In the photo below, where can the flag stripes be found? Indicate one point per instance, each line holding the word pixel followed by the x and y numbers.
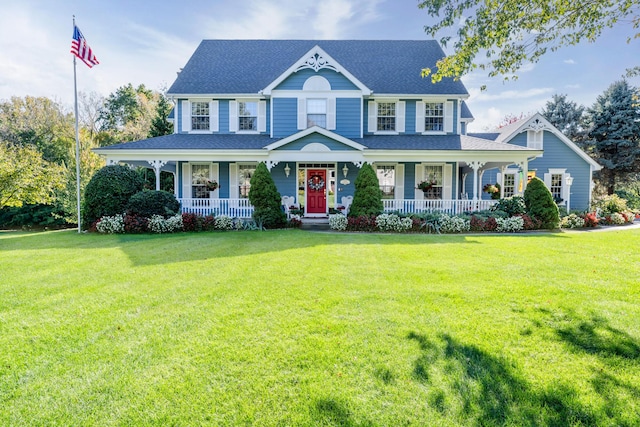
pixel 81 49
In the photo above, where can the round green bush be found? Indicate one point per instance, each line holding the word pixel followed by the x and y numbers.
pixel 511 205
pixel 266 199
pixel 109 191
pixel 147 203
pixel 367 198
pixel 540 204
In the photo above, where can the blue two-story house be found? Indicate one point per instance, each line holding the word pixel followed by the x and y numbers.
pixel 316 111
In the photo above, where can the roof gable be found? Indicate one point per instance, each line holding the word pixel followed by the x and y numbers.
pixel 348 143
pixel 250 66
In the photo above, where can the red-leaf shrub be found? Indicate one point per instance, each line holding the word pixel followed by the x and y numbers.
pixel 208 223
pixel 530 223
pixel 490 224
pixel 476 223
pixel 590 219
pixel 135 224
pixel 191 222
pixel 362 223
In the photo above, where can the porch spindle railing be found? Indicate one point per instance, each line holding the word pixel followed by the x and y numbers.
pixel 235 208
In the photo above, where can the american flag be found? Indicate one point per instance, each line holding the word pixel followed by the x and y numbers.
pixel 81 49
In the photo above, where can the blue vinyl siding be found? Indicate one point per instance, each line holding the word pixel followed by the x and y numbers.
pixel 296 80
pixel 287 186
pixel 410 117
pixel 285 117
pixel 223 116
pixel 455 115
pixel 348 117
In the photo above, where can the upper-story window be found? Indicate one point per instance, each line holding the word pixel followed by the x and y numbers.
pixel 317 112
pixel 200 119
pixel 434 117
pixel 534 139
pixel 386 116
pixel 247 116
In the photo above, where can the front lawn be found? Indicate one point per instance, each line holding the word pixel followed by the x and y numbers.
pixel 296 328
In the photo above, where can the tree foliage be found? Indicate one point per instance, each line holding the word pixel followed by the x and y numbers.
pixel 160 124
pixel 109 191
pixel 615 134
pixel 25 177
pixel 367 198
pixel 266 199
pixel 567 116
pixel 127 113
pixel 147 203
pixel 510 33
pixel 540 204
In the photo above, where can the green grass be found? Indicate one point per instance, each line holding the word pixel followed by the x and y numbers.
pixel 295 328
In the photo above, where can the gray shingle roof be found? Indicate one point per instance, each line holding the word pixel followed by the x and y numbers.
pixel 248 66
pixel 257 142
pixel 465 112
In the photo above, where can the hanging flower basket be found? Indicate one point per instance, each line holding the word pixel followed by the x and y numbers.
pixel 212 185
pixel 493 190
pixel 425 186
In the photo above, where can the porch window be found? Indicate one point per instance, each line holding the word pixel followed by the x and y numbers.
pixel 200 119
pixel 200 174
pixel 434 117
pixel 509 184
pixel 387 180
pixel 247 116
pixel 386 116
pixel 556 187
pixel 434 175
pixel 245 172
pixel 317 112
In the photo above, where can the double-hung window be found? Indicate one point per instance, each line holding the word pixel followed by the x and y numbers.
pixel 317 112
pixel 200 118
pixel 200 175
pixel 387 180
pixel 245 172
pixel 556 187
pixel 386 116
pixel 247 116
pixel 434 117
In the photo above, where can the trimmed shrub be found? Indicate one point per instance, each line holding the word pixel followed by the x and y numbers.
pixel 209 223
pixel 361 223
pixel 392 222
pixel 223 222
pixel 454 224
pixel 266 199
pixel 109 191
pixel 511 206
pixel 192 222
pixel 509 225
pixel 529 223
pixel 367 198
pixel 591 220
pixel 571 221
pixel 540 204
pixel 148 203
pixel 611 204
pixel 338 222
pixel 135 224
pixel 111 224
pixel 159 224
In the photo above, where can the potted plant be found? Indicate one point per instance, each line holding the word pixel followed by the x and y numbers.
pixel 493 190
pixel 426 185
pixel 212 185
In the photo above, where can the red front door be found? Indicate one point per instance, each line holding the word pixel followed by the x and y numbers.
pixel 316 191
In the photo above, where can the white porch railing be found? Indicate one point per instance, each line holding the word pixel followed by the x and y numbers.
pixel 451 207
pixel 235 208
pixel 241 208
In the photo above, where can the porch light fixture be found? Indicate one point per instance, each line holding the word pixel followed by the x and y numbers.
pixel 345 170
pixel 569 180
pixel 287 170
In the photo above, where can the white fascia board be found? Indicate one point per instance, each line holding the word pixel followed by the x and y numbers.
pixel 446 156
pixel 216 96
pixel 419 96
pixel 316 156
pixel 321 131
pixel 551 128
pixel 328 59
pixel 184 155
pixel 313 94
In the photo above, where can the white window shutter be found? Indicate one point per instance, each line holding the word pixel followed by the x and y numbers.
pixel 214 125
pixel 233 181
pixel 186 181
pixel 399 190
pixel 419 194
pixel 186 116
pixel 262 116
pixel 447 182
pixel 400 116
pixel 233 116
pixel 373 117
pixel 547 180
pixel 302 113
pixel 448 116
pixel 331 113
pixel 419 117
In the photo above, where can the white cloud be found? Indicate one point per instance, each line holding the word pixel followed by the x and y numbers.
pixel 508 95
pixel 569 61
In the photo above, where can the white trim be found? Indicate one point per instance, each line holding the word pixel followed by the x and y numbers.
pixel 308 61
pixel 315 129
pixel 316 84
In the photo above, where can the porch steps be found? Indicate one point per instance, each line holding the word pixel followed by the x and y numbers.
pixel 315 224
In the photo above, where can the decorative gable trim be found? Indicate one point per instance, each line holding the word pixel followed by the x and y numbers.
pixel 318 130
pixel 316 59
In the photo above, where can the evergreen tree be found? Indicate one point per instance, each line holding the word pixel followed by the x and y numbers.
pixel 567 116
pixel 266 199
pixel 160 125
pixel 367 199
pixel 540 204
pixel 615 134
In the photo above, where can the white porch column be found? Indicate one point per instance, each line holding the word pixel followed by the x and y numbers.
pixel 157 165
pixel 476 167
pixel 502 170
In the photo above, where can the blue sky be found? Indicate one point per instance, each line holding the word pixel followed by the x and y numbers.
pixel 148 42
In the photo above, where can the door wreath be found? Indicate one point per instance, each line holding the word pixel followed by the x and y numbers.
pixel 316 183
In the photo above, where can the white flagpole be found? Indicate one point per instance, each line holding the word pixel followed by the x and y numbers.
pixel 75 97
